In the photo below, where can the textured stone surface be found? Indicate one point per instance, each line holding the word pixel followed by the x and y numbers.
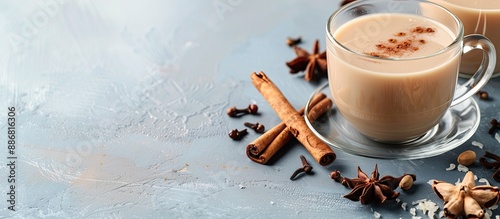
pixel 121 112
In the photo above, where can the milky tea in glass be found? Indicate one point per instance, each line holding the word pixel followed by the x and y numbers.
pixel 477 16
pixel 393 70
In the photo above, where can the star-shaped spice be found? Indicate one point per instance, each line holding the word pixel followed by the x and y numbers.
pixel 466 198
pixel 367 189
pixel 310 63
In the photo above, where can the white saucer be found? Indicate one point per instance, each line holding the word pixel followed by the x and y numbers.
pixel 458 125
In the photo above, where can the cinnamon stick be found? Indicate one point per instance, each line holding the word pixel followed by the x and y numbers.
pixel 261 143
pixel 285 135
pixel 320 151
pixel 264 147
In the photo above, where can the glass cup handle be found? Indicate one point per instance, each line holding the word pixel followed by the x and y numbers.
pixel 482 75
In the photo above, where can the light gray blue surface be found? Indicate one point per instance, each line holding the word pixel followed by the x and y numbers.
pixel 121 113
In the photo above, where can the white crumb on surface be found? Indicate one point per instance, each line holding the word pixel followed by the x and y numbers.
pixel 441 214
pixel 416 202
pixel 413 211
pixel 403 205
pixel 485 181
pixel 477 144
pixel 452 167
pixel 497 137
pixel 427 207
pixel 487 214
pixel 462 168
pixel 376 214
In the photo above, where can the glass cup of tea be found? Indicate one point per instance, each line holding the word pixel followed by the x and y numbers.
pixel 393 66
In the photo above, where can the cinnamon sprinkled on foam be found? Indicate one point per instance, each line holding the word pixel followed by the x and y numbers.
pixel 410 42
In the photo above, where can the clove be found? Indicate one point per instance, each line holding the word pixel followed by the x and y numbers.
pixel 489 165
pixel 306 168
pixel 494 126
pixel 251 109
pixel 237 135
pixel 259 128
pixel 335 175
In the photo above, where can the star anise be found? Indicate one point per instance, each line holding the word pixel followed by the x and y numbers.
pixel 366 189
pixel 466 198
pixel 310 63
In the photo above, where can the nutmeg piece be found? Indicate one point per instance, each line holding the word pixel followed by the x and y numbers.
pixel 406 183
pixel 467 158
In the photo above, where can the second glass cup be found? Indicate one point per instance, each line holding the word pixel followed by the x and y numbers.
pixel 477 16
